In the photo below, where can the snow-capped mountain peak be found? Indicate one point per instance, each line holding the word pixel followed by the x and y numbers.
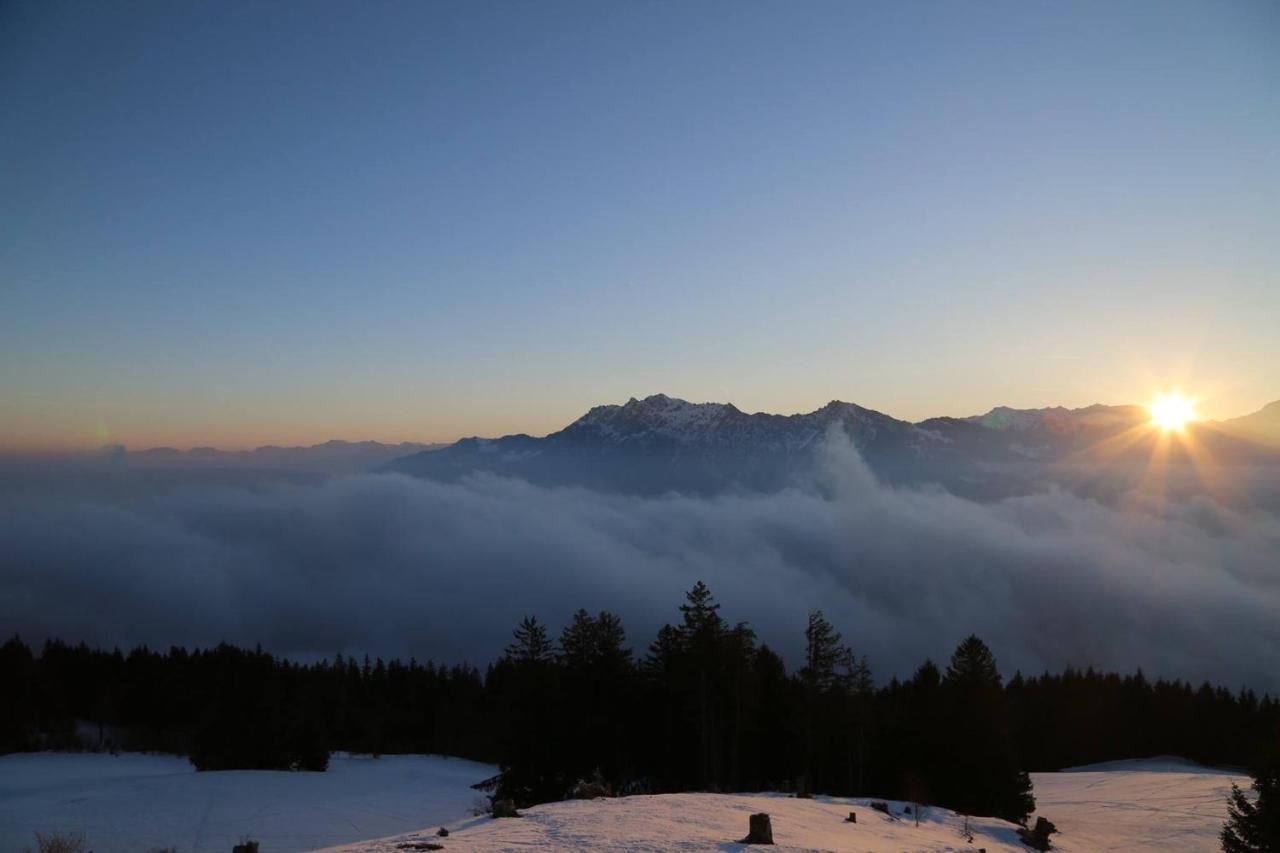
pixel 656 415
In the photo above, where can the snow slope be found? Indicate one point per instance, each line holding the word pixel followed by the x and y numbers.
pixel 709 822
pixel 1151 805
pixel 137 802
pixel 131 803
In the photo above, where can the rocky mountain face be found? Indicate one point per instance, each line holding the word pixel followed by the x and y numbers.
pixel 662 444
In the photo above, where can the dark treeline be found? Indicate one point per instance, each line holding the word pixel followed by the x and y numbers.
pixel 704 707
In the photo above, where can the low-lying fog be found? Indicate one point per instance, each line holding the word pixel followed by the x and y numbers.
pixel 1182 586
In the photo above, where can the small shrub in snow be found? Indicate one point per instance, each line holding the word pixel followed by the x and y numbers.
pixel 633 787
pixel 59 842
pixel 804 786
pixel 590 789
pixel 1037 838
pixel 505 808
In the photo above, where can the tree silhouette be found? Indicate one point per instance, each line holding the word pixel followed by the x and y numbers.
pixel 531 644
pixel 1253 825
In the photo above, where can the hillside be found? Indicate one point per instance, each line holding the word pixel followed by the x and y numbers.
pixel 1151 806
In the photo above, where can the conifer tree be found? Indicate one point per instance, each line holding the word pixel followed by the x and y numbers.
pixel 702 622
pixel 531 644
pixel 577 640
pixel 702 631
pixel 972 665
pixel 825 656
pixel 983 776
pixel 1253 824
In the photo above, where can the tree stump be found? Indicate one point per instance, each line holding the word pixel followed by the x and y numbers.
pixel 761 830
pixel 852 818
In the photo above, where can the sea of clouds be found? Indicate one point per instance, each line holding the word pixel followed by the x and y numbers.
pixel 390 565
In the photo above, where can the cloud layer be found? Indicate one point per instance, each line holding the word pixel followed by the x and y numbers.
pixel 390 565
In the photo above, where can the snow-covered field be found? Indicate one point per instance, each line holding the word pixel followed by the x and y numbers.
pixel 1149 805
pixel 137 802
pixel 132 803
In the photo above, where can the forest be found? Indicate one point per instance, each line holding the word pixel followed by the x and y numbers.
pixel 704 707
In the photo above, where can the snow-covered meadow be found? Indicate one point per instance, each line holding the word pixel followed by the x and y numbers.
pixel 133 803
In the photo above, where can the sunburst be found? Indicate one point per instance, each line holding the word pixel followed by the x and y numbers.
pixel 1172 412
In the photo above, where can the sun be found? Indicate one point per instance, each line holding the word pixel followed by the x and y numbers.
pixel 1172 412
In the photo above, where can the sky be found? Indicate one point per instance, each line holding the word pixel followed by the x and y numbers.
pixel 245 223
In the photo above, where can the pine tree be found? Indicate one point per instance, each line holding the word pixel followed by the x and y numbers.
pixel 702 622
pixel 577 641
pixel 972 665
pixel 531 644
pixel 702 631
pixel 1253 825
pixel 825 656
pixel 983 776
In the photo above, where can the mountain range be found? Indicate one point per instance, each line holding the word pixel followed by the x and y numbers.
pixel 660 444
pixel 331 457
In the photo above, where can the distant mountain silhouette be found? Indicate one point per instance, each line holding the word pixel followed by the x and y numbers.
pixel 1263 425
pixel 662 444
pixel 331 457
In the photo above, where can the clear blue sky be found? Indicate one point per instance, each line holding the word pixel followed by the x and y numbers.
pixel 240 222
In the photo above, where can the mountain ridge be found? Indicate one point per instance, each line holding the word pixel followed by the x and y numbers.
pixel 661 443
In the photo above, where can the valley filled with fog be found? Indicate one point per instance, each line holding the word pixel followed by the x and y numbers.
pixel 1112 574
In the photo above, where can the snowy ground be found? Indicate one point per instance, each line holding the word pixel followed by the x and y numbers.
pixel 1151 805
pixel 137 802
pixel 133 803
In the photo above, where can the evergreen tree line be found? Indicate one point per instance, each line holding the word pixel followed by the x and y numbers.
pixel 704 707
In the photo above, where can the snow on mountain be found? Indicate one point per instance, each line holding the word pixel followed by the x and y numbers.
pixel 663 444
pixel 660 444
pixel 1059 420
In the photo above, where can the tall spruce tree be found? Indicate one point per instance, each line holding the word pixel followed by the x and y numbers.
pixel 702 631
pixel 825 656
pixel 1253 823
pixel 531 644
pixel 982 776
